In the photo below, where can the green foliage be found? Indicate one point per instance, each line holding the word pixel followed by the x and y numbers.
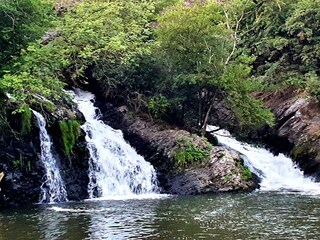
pixel 313 84
pixel 70 131
pixel 246 173
pixel 228 178
pixel 21 164
pixel 109 37
pixel 284 36
pixel 189 153
pixel 194 39
pixel 105 38
pixel 203 65
pixel 26 117
pixel 158 106
pixel 21 22
pixel 161 5
pixel 100 39
pixel 186 67
pixel 17 163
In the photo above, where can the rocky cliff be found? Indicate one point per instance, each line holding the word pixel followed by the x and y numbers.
pixel 23 172
pixel 298 121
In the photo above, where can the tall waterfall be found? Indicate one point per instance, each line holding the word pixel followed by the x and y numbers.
pixel 115 169
pixel 53 188
pixel 277 173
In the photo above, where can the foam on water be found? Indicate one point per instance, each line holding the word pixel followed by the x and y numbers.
pixel 53 188
pixel 277 173
pixel 115 168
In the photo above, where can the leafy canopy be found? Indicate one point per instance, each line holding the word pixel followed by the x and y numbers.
pixel 198 45
pixel 21 22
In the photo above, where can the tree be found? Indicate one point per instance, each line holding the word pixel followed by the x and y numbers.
pixel 97 39
pixel 198 44
pixel 21 22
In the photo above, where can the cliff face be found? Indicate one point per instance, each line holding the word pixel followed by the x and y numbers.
pixel 298 121
pixel 24 173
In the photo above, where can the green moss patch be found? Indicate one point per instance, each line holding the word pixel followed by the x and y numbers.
pixel 190 153
pixel 26 117
pixel 70 131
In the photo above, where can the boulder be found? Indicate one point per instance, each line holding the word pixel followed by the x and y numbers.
pixel 223 173
pixel 221 170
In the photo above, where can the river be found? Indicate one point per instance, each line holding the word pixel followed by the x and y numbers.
pixel 125 203
pixel 258 215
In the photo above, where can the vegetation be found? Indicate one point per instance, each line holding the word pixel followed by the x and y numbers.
pixel 284 38
pixel 189 153
pixel 197 45
pixel 70 131
pixel 178 60
pixel 21 22
pixel 26 117
pixel 246 173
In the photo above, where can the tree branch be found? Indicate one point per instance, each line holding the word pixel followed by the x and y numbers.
pixel 234 35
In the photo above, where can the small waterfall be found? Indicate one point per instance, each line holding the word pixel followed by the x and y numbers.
pixel 115 169
pixel 53 188
pixel 277 173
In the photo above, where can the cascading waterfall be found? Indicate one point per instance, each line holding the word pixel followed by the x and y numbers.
pixel 115 169
pixel 53 188
pixel 277 173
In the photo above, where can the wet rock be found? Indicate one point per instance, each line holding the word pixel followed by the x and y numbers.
pixel 224 173
pixel 24 172
pixel 298 121
pixel 221 171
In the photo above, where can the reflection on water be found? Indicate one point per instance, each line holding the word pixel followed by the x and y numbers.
pixel 227 216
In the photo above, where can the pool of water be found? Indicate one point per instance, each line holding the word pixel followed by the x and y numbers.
pixel 224 216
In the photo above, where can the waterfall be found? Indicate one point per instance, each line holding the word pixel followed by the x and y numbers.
pixel 277 173
pixel 53 188
pixel 115 169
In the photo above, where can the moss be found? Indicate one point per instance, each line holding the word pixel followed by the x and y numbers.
pixel 228 178
pixel 49 106
pixel 303 151
pixel 246 173
pixel 297 151
pixel 70 131
pixel 189 153
pixel 26 117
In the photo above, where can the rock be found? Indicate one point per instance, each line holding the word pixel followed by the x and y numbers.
pixel 298 121
pixel 222 174
pixel 221 171
pixel 24 172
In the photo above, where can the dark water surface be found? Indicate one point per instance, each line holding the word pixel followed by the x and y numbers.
pixel 226 216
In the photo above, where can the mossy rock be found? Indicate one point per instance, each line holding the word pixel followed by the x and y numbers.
pixel 70 131
pixel 191 150
pixel 304 151
pixel 26 117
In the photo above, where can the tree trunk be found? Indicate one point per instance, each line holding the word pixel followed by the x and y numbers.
pixel 205 121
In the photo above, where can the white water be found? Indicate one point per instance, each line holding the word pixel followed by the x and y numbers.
pixel 53 188
pixel 115 169
pixel 277 173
